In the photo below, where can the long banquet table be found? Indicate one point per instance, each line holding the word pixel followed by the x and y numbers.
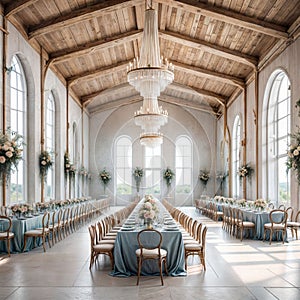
pixel 126 245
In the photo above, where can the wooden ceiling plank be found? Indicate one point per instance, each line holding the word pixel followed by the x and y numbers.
pixel 95 45
pixel 211 48
pixel 224 15
pixel 16 6
pixel 80 15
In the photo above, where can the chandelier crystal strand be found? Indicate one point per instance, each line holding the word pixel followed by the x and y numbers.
pixel 150 75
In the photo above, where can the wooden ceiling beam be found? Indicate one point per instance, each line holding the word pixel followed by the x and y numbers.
pixel 221 77
pixel 16 6
pixel 184 103
pixel 116 104
pixel 90 75
pixel 210 48
pixel 194 91
pixel 79 15
pixel 60 56
pixel 231 17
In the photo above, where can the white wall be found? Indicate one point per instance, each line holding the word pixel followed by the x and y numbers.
pixel 106 126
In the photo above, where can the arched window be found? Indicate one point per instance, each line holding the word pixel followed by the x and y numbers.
pixel 236 142
pixel 124 165
pixel 183 165
pixel 18 102
pixel 278 129
pixel 153 170
pixel 50 144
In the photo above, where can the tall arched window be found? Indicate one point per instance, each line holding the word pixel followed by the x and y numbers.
pixel 18 102
pixel 124 166
pixel 183 165
pixel 236 142
pixel 50 144
pixel 278 129
pixel 153 170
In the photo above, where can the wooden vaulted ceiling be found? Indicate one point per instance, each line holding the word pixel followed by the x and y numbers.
pixel 215 45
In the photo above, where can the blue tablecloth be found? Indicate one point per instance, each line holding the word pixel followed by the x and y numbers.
pixel 260 219
pixel 126 245
pixel 18 228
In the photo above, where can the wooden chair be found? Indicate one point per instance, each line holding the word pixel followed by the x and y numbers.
pixel 54 227
pixel 197 248
pixel 295 225
pixel 5 233
pixel 243 225
pixel 151 250
pixel 276 225
pixel 99 248
pixel 42 233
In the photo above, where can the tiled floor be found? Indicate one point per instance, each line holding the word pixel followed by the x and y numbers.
pixel 235 270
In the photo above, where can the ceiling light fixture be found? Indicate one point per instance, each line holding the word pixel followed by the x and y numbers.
pixel 150 75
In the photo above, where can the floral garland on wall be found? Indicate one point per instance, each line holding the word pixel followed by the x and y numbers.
pixel 69 168
pixel 168 176
pixel 245 171
pixel 105 177
pixel 11 147
pixel 293 161
pixel 204 176
pixel 138 174
pixel 45 163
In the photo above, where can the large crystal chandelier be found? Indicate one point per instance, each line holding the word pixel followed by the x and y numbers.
pixel 150 75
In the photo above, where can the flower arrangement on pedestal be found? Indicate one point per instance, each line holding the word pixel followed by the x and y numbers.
pixel 293 161
pixel 204 177
pixel 168 176
pixel 138 174
pixel 45 163
pixel 11 144
pixel 149 210
pixel 245 171
pixel 105 177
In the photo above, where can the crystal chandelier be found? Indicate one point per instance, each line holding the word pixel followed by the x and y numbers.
pixel 150 75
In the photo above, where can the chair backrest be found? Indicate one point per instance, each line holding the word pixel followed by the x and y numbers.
pixel 203 237
pixel 198 232
pixel 281 206
pixel 5 225
pixel 290 212
pixel 92 231
pixel 147 241
pixel 239 215
pixel 45 220
pixel 3 211
pixel 277 220
pixel 271 205
pixel 297 216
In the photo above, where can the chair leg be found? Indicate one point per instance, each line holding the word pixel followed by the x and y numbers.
pixel 160 271
pixel 8 247
pixel 202 259
pixel 271 234
pixel 43 238
pixel 139 270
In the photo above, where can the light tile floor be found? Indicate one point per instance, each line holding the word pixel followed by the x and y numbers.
pixel 235 270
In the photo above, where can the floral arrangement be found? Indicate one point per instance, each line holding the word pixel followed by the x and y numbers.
pixel 45 162
pixel 241 202
pixel 293 161
pixel 138 173
pixel 69 168
pixel 10 151
pixel 83 172
pixel 105 176
pixel 229 201
pixel 204 176
pixel 168 175
pixel 260 203
pixel 21 208
pixel 245 171
pixel 149 209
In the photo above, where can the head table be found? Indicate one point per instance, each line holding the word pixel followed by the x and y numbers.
pixel 126 244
